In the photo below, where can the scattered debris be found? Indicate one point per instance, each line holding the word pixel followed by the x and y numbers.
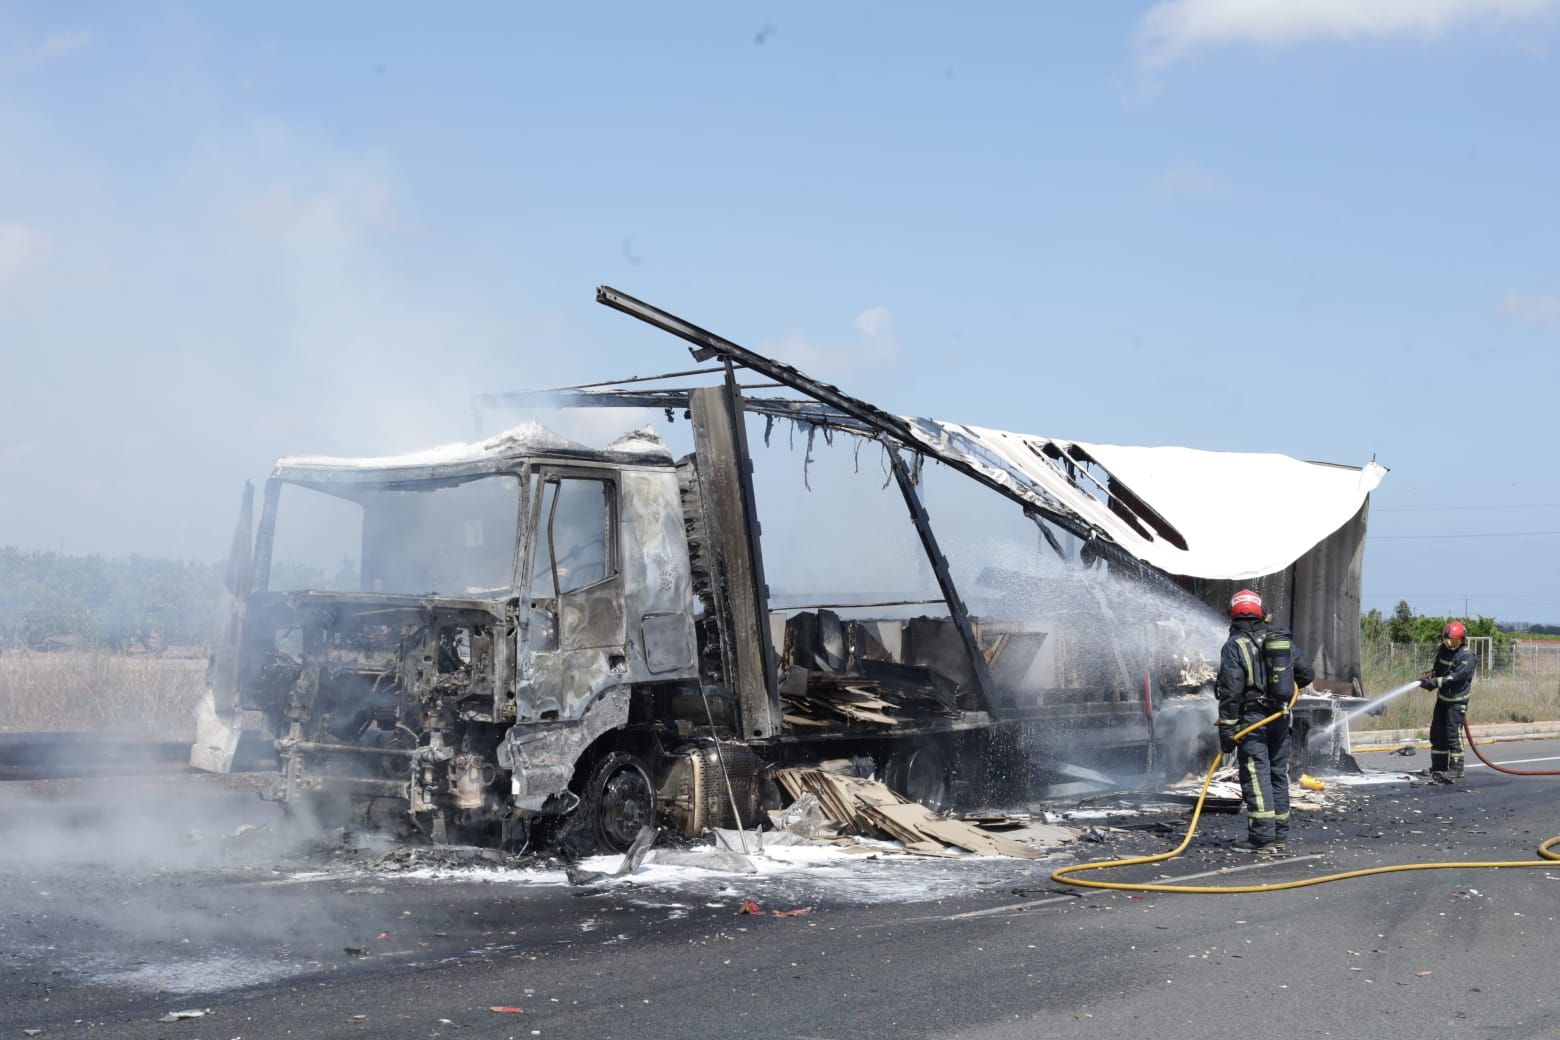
pixel 631 860
pixel 355 951
pixel 180 1016
pixel 871 809
pixel 804 818
pixel 800 911
pixel 504 1009
pixel 750 907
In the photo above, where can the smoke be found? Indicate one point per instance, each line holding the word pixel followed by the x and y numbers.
pixel 273 295
pixel 130 824
pixel 836 530
pixel 157 882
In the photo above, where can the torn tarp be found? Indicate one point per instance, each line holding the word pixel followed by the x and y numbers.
pixel 1167 505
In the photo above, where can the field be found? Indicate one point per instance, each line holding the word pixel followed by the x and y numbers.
pixel 140 694
pixel 1516 690
pixel 154 695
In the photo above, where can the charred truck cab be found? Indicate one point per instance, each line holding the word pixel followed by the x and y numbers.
pixel 525 637
pixel 496 609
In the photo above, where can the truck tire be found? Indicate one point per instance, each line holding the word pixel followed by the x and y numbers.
pixel 617 799
pixel 921 774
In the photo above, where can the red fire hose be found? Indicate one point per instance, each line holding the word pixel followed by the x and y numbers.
pixel 1502 769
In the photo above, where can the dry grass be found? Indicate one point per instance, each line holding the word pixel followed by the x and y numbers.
pixel 1506 695
pixel 135 694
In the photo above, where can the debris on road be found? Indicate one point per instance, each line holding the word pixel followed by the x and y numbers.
pixel 180 1016
pixel 631 860
pixel 871 809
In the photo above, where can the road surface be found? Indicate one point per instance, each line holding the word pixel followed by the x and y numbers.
pixel 122 904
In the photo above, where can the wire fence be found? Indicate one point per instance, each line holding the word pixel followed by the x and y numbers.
pixel 1390 664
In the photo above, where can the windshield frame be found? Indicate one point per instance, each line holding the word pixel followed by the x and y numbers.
pixel 335 481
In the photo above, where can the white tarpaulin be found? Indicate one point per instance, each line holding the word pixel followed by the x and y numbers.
pixel 1239 515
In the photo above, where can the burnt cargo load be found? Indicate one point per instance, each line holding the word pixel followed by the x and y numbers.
pixel 528 638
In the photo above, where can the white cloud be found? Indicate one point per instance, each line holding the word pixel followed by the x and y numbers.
pixel 23 249
pixel 875 346
pixel 354 204
pixel 1175 29
pixel 51 47
pixel 875 323
pixel 1187 180
pixel 1532 308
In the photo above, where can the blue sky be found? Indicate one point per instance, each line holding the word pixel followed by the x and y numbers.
pixel 1322 228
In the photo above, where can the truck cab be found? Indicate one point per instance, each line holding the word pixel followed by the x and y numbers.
pixel 450 630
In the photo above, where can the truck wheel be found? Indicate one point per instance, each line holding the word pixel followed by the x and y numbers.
pixel 920 774
pixel 620 799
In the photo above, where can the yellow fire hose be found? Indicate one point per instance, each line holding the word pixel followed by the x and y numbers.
pixel 1063 875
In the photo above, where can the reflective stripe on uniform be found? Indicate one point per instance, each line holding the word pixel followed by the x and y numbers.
pixel 1282 817
pixel 1256 791
pixel 1246 647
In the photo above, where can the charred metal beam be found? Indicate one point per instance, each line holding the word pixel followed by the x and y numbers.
pixel 855 606
pixel 956 608
pixel 707 345
pixel 724 469
pixel 309 747
pixel 754 545
pixel 1045 532
pixel 814 413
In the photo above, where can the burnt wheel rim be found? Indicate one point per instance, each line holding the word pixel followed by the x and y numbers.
pixel 626 805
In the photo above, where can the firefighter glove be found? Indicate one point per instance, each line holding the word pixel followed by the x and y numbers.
pixel 1226 739
pixel 1429 683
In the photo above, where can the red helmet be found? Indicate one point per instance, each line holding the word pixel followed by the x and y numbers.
pixel 1454 630
pixel 1246 603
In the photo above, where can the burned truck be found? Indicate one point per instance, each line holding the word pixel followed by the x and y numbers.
pixel 523 638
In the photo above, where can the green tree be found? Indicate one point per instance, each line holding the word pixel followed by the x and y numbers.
pixel 1401 628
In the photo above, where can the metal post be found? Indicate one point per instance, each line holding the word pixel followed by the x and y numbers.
pixel 961 617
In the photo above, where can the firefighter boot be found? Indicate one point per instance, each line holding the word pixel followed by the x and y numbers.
pixel 1255 845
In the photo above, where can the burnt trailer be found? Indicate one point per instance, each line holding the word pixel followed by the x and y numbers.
pixel 530 638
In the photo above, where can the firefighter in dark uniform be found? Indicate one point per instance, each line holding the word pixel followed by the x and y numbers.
pixel 1259 670
pixel 1451 678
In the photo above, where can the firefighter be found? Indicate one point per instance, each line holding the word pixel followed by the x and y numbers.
pixel 1451 679
pixel 1259 670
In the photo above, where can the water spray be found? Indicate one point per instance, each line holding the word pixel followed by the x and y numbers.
pixel 1369 707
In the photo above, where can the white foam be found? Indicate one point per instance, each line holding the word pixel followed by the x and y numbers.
pixel 1368 779
pixel 526 438
pixel 785 875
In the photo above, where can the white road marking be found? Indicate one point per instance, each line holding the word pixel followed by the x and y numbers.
pixel 1515 762
pixel 1014 908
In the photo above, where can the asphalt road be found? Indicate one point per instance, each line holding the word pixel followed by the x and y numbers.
pixel 120 905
